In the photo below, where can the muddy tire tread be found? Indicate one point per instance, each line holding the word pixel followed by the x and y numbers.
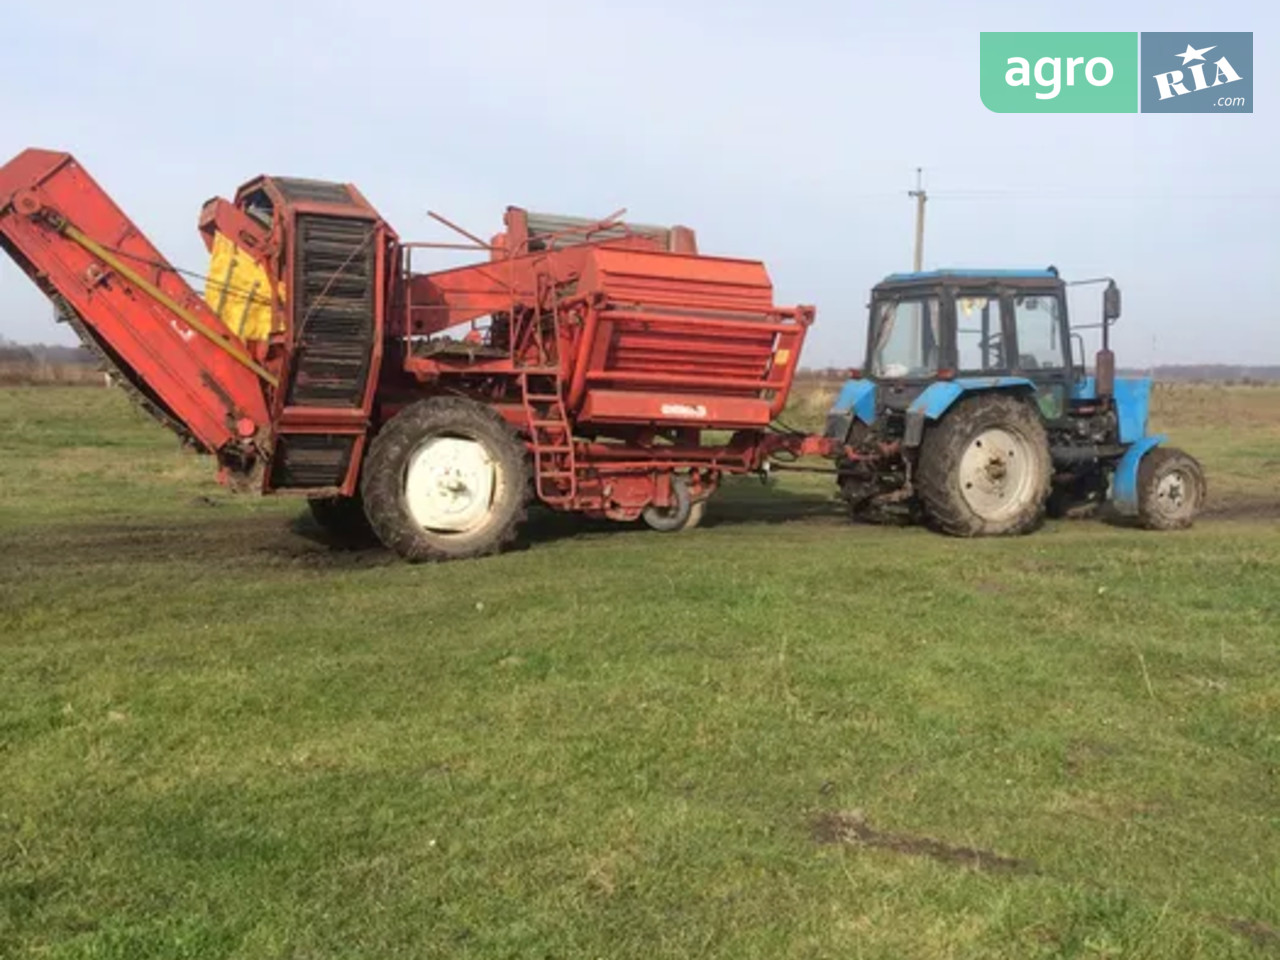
pixel 1149 481
pixel 382 484
pixel 943 446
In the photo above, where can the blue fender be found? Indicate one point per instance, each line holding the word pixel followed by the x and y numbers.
pixel 1124 486
pixel 857 397
pixel 857 400
pixel 938 398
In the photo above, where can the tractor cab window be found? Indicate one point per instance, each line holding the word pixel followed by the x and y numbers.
pixel 906 340
pixel 980 343
pixel 1038 319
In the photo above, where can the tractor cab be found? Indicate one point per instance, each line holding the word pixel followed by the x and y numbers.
pixel 964 324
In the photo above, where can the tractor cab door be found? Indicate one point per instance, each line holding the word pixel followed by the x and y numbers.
pixel 984 341
pixel 906 343
pixel 1015 328
pixel 1037 320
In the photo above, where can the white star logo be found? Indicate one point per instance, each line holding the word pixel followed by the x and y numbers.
pixel 1191 53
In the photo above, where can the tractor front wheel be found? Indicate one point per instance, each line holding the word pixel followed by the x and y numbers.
pixel 984 469
pixel 1171 489
pixel 445 479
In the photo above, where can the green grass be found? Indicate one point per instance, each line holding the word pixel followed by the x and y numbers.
pixel 219 738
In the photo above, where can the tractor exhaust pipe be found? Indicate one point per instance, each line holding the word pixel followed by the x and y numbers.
pixel 1105 371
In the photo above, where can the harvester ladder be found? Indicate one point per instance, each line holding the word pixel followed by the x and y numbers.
pixel 550 437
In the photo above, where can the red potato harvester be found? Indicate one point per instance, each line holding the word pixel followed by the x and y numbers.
pixel 601 367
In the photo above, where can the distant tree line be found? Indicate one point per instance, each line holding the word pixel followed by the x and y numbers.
pixel 47 363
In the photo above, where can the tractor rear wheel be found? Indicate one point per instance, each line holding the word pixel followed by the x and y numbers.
pixel 984 470
pixel 343 520
pixel 446 478
pixel 1171 489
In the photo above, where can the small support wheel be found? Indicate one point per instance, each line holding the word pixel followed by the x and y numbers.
pixel 684 513
pixel 696 513
pixel 1171 489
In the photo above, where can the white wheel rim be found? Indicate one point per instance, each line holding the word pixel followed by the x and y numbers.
pixel 449 484
pixel 996 474
pixel 1173 492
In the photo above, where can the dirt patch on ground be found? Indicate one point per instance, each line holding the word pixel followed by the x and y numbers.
pixel 209 533
pixel 777 507
pixel 210 540
pixel 1241 507
pixel 1259 934
pixel 851 827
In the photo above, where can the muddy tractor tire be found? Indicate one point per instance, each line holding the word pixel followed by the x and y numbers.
pixel 684 513
pixel 446 479
pixel 984 470
pixel 1171 489
pixel 343 521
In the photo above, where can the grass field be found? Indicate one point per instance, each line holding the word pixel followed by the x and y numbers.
pixel 780 735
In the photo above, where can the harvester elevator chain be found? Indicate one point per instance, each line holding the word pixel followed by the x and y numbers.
pixel 121 376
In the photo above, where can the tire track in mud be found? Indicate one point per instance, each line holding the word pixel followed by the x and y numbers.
pixel 850 828
pixel 275 539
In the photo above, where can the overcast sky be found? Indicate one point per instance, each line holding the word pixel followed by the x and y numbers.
pixel 786 131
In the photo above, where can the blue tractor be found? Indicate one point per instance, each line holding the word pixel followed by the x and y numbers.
pixel 974 412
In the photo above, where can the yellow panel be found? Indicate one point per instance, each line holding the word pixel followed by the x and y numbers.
pixel 238 290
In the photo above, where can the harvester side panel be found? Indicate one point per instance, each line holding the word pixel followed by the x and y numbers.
pixel 121 294
pixel 692 340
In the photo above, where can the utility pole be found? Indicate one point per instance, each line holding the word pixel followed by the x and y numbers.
pixel 920 197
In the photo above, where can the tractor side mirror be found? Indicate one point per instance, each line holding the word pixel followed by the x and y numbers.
pixel 1111 303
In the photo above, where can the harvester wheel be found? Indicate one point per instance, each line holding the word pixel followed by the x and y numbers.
pixel 446 478
pixel 1171 489
pixel 984 470
pixel 684 513
pixel 343 519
